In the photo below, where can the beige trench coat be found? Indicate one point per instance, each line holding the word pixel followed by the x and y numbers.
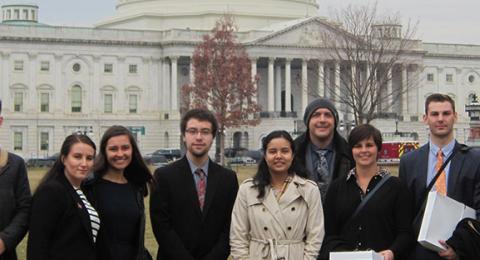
pixel 290 229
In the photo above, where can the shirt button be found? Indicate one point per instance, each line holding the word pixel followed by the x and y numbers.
pixel 263 209
pixel 293 208
pixel 359 244
pixel 289 228
pixel 360 228
pixel 265 228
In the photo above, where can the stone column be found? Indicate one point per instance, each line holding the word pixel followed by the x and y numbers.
pixel 278 88
pixel 166 84
pixel 321 79
pixel 405 93
pixel 389 97
pixel 304 84
pixel 174 85
pixel 336 75
pixel 192 72
pixel 288 86
pixel 254 73
pixel 270 90
pixel 368 86
pixel 353 85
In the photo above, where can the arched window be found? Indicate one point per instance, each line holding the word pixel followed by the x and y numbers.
pixel 245 140
pixel 76 98
pixel 237 139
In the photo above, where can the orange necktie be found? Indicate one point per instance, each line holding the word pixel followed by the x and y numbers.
pixel 441 183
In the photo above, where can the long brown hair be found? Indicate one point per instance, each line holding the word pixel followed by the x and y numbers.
pixel 136 172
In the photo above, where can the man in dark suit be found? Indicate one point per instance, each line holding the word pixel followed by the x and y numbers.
pixel 461 178
pixel 192 201
pixel 15 199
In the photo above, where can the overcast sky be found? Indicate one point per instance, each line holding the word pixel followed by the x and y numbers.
pixel 449 21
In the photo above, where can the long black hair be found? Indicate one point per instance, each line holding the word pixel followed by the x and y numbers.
pixel 58 167
pixel 136 172
pixel 262 178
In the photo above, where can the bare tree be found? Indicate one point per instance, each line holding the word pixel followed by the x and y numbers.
pixel 223 81
pixel 369 49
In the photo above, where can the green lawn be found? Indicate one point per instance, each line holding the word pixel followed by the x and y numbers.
pixel 35 175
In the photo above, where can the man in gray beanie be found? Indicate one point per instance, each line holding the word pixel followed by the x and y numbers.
pixel 321 149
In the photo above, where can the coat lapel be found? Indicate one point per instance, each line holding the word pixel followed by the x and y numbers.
pixel 271 204
pixel 79 206
pixel 292 192
pixel 455 169
pixel 423 166
pixel 214 175
pixel 187 176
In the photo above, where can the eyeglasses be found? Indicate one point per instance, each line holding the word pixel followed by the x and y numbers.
pixel 195 131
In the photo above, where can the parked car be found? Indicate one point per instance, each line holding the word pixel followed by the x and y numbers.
pixel 158 160
pixel 40 162
pixel 242 160
pixel 171 154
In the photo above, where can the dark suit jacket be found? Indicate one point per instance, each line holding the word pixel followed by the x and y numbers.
pixel 182 230
pixel 15 201
pixel 59 224
pixel 463 182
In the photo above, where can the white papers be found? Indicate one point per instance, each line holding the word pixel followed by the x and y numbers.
pixel 356 255
pixel 442 215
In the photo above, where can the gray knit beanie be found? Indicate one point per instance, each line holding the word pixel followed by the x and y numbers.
pixel 316 104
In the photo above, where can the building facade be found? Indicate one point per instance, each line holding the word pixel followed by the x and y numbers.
pixel 130 68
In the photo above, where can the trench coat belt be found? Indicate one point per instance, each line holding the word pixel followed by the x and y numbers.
pixel 270 246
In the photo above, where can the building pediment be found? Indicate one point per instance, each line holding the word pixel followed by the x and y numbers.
pixel 308 32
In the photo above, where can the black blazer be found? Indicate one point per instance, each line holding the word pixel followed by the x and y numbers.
pixel 103 245
pixel 182 230
pixel 59 224
pixel 463 181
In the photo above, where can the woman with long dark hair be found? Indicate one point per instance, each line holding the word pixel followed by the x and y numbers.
pixel 116 191
pixel 63 225
pixel 277 214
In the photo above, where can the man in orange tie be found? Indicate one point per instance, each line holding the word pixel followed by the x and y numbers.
pixel 459 180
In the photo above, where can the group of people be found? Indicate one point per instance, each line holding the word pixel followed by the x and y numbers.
pixel 309 197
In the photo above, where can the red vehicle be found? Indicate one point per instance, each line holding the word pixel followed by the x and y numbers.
pixel 393 150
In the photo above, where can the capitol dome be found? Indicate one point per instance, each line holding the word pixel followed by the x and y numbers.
pixel 201 15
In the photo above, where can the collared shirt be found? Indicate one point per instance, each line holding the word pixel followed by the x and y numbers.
pixel 371 185
pixel 194 167
pixel 432 160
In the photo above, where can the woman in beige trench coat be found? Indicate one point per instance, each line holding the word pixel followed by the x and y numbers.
pixel 278 214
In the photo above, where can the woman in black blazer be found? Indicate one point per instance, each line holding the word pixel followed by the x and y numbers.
pixel 116 191
pixel 63 225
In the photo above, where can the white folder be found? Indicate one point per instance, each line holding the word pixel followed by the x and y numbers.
pixel 356 255
pixel 442 215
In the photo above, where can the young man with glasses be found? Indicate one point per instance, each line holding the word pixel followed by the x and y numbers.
pixel 15 199
pixel 191 203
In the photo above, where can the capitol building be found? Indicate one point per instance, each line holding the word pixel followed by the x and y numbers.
pixel 129 68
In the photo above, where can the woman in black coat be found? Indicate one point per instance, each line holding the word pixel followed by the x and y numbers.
pixel 63 225
pixel 116 191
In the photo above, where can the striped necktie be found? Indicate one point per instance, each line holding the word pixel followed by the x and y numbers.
pixel 92 214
